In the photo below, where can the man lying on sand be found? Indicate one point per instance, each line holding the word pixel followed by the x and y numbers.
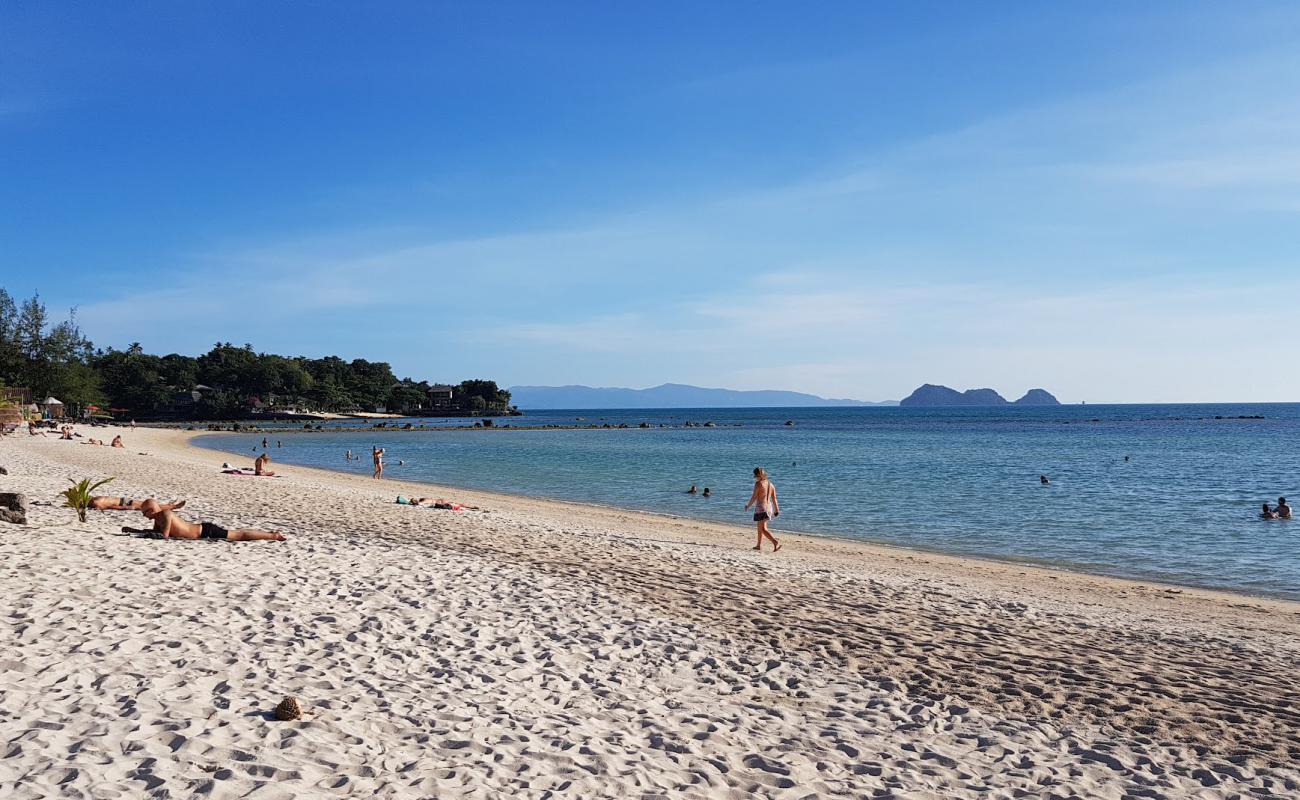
pixel 171 526
pixel 103 503
pixel 446 505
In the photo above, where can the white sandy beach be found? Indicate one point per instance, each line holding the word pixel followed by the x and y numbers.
pixel 546 649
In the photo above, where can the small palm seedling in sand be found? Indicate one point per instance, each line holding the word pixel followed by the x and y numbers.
pixel 78 496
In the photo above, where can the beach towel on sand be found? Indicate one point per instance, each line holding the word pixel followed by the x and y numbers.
pixel 248 473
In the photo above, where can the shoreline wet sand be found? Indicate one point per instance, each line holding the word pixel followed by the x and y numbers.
pixel 590 651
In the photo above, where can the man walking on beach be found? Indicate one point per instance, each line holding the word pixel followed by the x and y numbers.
pixel 171 526
pixel 378 454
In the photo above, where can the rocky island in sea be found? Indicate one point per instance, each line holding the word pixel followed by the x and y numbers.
pixel 934 395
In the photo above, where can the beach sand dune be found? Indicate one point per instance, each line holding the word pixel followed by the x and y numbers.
pixel 546 649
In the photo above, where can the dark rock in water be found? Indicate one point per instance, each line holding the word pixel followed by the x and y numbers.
pixel 1037 397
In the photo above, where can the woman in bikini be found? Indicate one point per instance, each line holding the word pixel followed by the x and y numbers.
pixel 103 503
pixel 765 507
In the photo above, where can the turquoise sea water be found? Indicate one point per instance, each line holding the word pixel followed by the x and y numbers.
pixel 1183 508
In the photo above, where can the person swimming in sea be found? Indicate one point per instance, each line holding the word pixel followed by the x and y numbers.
pixel 1267 513
pixel 1043 480
pixel 1283 510
pixel 706 492
pixel 692 490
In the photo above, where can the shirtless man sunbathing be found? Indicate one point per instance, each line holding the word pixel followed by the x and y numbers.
pixel 171 526
pixel 104 503
pixel 446 505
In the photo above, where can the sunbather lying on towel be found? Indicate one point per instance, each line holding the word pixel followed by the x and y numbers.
pixel 171 526
pixel 104 503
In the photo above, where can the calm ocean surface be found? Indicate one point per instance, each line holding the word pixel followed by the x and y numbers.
pixel 1182 509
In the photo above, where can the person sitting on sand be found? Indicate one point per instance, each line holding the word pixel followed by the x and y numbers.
pixel 117 441
pixel 259 466
pixel 171 526
pixel 1267 513
pixel 104 503
pixel 1283 510
pixel 67 432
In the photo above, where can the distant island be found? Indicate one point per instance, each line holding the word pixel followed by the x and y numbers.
pixel 668 395
pixel 932 395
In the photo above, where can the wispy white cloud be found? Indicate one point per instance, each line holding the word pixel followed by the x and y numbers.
pixel 1001 253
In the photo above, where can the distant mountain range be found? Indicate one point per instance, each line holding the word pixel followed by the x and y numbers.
pixel 669 395
pixel 932 395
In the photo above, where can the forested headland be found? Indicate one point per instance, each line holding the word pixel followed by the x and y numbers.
pixel 227 382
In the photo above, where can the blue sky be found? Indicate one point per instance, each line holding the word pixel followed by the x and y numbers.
pixel 851 199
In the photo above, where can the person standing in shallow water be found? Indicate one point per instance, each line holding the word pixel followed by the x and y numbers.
pixel 765 507
pixel 378 454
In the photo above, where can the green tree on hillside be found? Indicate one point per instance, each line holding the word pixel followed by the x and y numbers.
pixel 48 359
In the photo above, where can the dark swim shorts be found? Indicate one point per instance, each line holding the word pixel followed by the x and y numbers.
pixel 760 516
pixel 209 531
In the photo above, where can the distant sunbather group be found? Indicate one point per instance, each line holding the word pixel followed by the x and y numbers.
pixel 167 524
pixel 445 505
